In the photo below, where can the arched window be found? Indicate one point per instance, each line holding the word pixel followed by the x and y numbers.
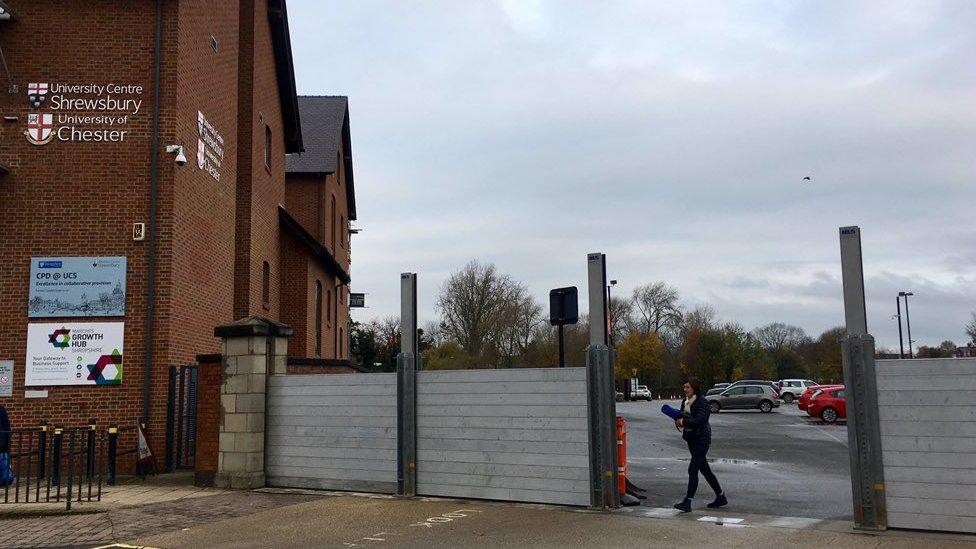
pixel 318 318
pixel 328 308
pixel 340 342
pixel 342 228
pixel 266 283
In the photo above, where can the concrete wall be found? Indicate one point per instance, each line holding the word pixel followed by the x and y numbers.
pixel 928 442
pixel 335 432
pixel 513 434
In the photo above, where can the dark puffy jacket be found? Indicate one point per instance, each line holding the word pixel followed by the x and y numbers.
pixel 696 427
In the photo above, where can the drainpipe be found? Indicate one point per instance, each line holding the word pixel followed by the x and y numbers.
pixel 153 197
pixel 335 328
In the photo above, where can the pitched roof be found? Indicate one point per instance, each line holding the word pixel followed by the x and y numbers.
pixel 325 126
pixel 285 73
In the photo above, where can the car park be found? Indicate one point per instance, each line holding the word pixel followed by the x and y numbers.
pixel 791 389
pixel 829 404
pixel 738 397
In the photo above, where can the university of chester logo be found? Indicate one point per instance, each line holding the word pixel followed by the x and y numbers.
pixel 60 338
pixel 40 128
pixel 36 94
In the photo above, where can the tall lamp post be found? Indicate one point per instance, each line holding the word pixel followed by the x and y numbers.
pixel 626 390
pixel 908 323
pixel 901 344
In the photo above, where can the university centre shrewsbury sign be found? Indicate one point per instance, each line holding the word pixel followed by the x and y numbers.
pixel 81 112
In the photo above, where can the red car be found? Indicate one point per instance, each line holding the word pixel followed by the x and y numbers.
pixel 804 399
pixel 828 404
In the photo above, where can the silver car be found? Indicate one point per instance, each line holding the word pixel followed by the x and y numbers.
pixel 744 396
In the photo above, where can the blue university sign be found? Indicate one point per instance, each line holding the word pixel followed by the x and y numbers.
pixel 77 286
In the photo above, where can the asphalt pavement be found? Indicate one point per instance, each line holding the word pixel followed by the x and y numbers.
pixel 782 463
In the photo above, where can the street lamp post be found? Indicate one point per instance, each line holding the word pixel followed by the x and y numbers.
pixel 626 390
pixel 901 344
pixel 908 323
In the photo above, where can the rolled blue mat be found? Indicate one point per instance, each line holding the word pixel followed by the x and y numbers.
pixel 672 413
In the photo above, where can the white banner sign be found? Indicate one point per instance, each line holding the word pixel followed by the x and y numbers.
pixel 74 353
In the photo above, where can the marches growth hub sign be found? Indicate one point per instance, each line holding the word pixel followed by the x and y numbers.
pixel 74 354
pixel 77 286
pixel 81 112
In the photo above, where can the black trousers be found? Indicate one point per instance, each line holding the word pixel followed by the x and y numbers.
pixel 700 463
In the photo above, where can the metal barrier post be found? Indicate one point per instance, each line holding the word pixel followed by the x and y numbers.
pixel 601 406
pixel 56 457
pixel 90 454
pixel 407 366
pixel 113 445
pixel 71 464
pixel 861 392
pixel 41 450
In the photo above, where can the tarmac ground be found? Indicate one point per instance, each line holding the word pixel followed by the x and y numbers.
pixel 779 463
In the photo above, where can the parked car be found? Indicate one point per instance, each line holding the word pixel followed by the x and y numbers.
pixel 744 396
pixel 720 386
pixel 828 404
pixel 804 401
pixel 642 393
pixel 619 397
pixel 715 391
pixel 772 384
pixel 791 389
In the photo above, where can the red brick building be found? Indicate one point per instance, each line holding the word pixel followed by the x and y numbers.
pixel 157 131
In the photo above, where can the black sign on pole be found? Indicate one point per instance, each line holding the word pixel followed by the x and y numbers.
pixel 357 300
pixel 563 309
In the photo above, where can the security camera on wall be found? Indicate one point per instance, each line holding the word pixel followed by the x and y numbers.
pixel 180 157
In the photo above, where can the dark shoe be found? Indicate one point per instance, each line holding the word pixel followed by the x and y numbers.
pixel 684 506
pixel 719 502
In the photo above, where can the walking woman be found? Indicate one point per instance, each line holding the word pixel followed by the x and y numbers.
pixel 698 434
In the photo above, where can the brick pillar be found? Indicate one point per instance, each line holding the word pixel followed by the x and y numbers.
pixel 210 378
pixel 253 348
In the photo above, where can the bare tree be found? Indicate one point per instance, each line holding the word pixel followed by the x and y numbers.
pixel 777 336
pixel 473 303
pixel 971 329
pixel 520 315
pixel 656 307
pixel 621 318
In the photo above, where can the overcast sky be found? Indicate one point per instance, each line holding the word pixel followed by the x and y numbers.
pixel 674 137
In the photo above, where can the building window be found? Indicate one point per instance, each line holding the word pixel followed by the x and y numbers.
pixel 266 283
pixel 267 147
pixel 342 227
pixel 328 308
pixel 318 318
pixel 340 342
pixel 333 223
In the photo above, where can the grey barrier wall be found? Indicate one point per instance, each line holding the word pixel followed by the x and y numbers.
pixel 512 434
pixel 928 442
pixel 335 432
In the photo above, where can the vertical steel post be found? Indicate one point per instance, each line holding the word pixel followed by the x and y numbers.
pixel 901 342
pixel 113 448
pixel 41 450
pixel 601 409
pixel 863 424
pixel 408 362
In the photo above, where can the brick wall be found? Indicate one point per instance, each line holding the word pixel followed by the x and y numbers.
pixel 78 198
pixel 75 198
pixel 209 378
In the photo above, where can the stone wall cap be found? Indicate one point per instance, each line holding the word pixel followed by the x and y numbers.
pixel 254 326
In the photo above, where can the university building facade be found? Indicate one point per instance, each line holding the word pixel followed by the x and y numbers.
pixel 160 176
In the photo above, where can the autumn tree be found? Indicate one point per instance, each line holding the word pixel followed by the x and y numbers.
pixel 640 356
